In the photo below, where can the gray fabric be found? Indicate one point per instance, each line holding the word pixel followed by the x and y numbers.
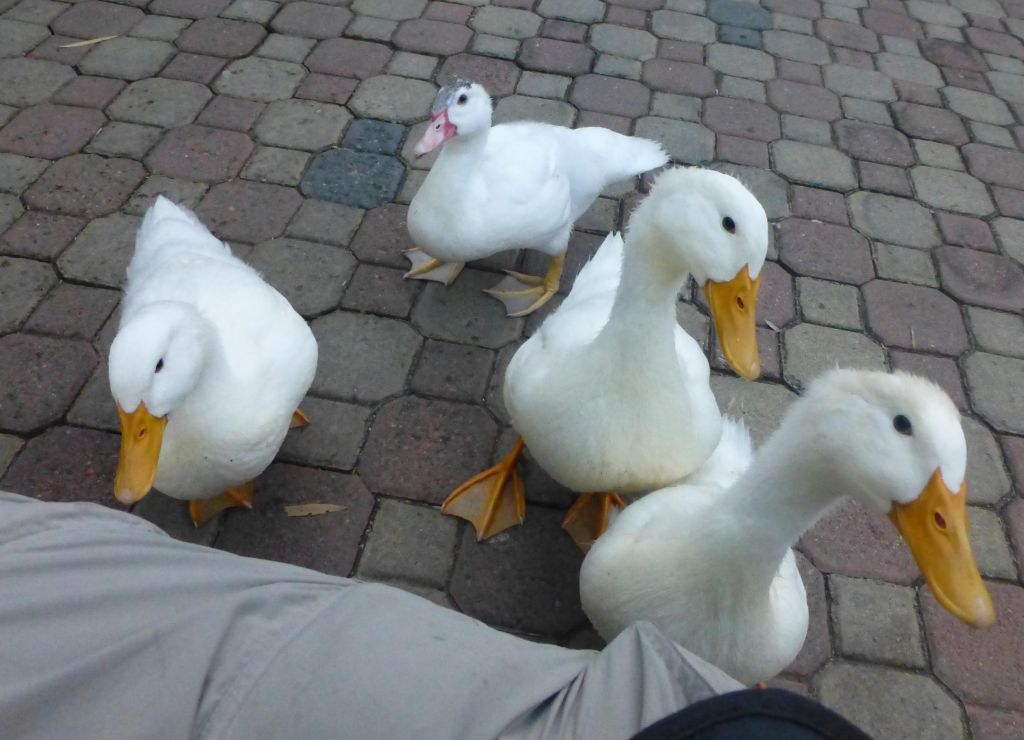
pixel 111 629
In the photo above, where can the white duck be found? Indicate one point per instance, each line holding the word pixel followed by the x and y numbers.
pixel 208 367
pixel 515 185
pixel 610 394
pixel 709 562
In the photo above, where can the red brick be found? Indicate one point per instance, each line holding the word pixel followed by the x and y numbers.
pixel 90 20
pixel 892 24
pixel 326 88
pixel 50 131
pixel 940 370
pixel 610 95
pixel 432 37
pixel 811 101
pixel 221 37
pixel 814 203
pixel 200 153
pixel 348 58
pixel 995 165
pixel 915 317
pixel 230 113
pixel 311 20
pixel 85 185
pixel 681 51
pixel 744 118
pixel 980 278
pixel 683 78
pixel 996 42
pixel 73 311
pixel 560 57
pixel 194 68
pixel 825 250
pixel 248 211
pixel 40 235
pixel 28 405
pixel 564 30
pixel 966 231
pixel 89 92
pixel 952 54
pixel 450 12
pixel 742 151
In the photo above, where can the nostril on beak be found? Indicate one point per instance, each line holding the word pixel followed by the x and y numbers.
pixel 940 521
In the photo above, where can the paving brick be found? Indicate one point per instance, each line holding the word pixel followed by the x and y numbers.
pixel 555 56
pixel 740 61
pixel 815 203
pixel 56 49
pixel 867 110
pixel 525 580
pixel 990 379
pixel 893 219
pixel 392 98
pixel 796 46
pixel 998 332
pixel 25 82
pixel 17 38
pixel 882 178
pixel 828 303
pixel 248 211
pixel 811 350
pixel 409 541
pixel 88 92
pixel 462 313
pixel 300 124
pixel 329 543
pixel 867 84
pixel 523 108
pixel 127 58
pixel 511 22
pixel 623 42
pixel 230 113
pixel 995 165
pixel 811 101
pixel 978 664
pixel 101 252
pixel 85 185
pixel 874 698
pixel 279 166
pixel 915 317
pixel 991 724
pixel 363 358
pixel 930 123
pixel 66 464
pixel 129 140
pixel 584 11
pixel 359 179
pixel 439 444
pixel 194 68
pixel 9 447
pixel 495 46
pixel 10 210
pixel 382 237
pixel 981 278
pixel 978 106
pixel 954 191
pixel 200 153
pixel 286 48
pixel 741 151
pixel 50 131
pixel 23 284
pixel 311 276
pixel 935 154
pixel 454 371
pixel 221 37
pixel 182 192
pixel 876 621
pixel 189 8
pixel 349 58
pixel 966 79
pixel 989 544
pixel 408 64
pixel 92 19
pixel 73 311
pixel 40 235
pixel 432 37
pixel 499 77
pixel 311 20
pixel 940 370
pixel 381 290
pixel 935 13
pixel 26 405
pixel 760 405
pixel 328 223
pixel 852 35
pixel 874 143
pixel 160 28
pixel 813 165
pixel 905 265
pixel 332 439
pixel 1007 85
pixel 740 37
pixel 160 102
pixel 255 78
pixel 742 118
pixel 369 28
pixel 610 95
pixel 679 77
pixel 399 10
pixel 744 15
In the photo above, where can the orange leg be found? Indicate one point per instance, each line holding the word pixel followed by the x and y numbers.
pixel 589 517
pixel 492 501
pixel 299 420
pixel 203 510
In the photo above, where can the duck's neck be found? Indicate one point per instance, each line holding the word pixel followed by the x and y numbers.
pixel 462 153
pixel 643 316
pixel 780 496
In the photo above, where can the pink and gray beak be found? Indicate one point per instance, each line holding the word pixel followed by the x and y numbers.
pixel 437 133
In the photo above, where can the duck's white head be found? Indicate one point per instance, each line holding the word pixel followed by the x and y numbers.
pixel 461 108
pixel 894 442
pixel 156 361
pixel 708 224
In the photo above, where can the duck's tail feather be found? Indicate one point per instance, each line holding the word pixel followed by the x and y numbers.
pixel 621 156
pixel 167 224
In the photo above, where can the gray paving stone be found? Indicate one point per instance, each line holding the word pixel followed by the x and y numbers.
pixel 160 102
pixel 17 38
pixel 828 303
pixel 9 447
pixel 876 621
pixel 279 166
pixel 862 83
pixel 371 29
pixel 796 46
pixel 905 265
pixel 668 24
pixel 740 61
pixel 358 179
pixel 100 254
pixel 182 192
pixel 409 541
pixel 935 13
pixel 875 699
pixel 977 106
pixel 738 87
pixel 286 48
pixel 913 69
pixel 333 437
pixel 127 58
pixel 18 172
pixel 257 11
pixel 1010 232
pixel 118 139
pixel 23 284
pixel 10 211
pixel 581 11
pixel 988 541
pixel 408 64
pixel 988 133
pixel 808 130
pixel 685 142
pixel 328 223
pixel 936 154
pixel 396 10
pixel 996 331
pixel 891 219
pixel 624 42
pixel 391 98
pixel 543 85
pixel 25 82
pixel 811 350
pixel 301 124
pixel 256 78
pixel 613 66
pixel 495 46
pixel 524 108
pixel 510 22
pixel 992 382
pixel 159 28
pixel 813 165
pixel 1007 86
pixel 760 405
pixel 867 110
pixel 311 276
pixel 951 191
pixel 684 107
pixel 462 313
pixel 741 14
pixel 362 358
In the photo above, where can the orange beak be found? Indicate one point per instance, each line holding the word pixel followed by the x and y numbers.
pixel 733 309
pixel 935 527
pixel 141 436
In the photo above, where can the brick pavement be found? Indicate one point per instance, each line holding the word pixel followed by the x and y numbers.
pixel 884 138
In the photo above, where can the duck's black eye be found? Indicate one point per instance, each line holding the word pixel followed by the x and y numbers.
pixel 159 365
pixel 462 99
pixel 729 225
pixel 902 425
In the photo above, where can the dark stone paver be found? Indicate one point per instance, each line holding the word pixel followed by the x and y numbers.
pixel 360 179
pixel 85 185
pixel 248 211
pixel 73 311
pixel 40 235
pixel 825 250
pixel 981 278
pixel 410 541
pixel 379 137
